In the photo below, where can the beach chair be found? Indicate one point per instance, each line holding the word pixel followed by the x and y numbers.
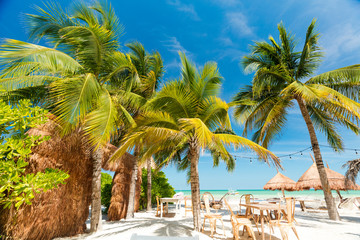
pixel 248 198
pixel 188 207
pixel 211 216
pixel 286 221
pixel 159 206
pixel 211 200
pixel 238 221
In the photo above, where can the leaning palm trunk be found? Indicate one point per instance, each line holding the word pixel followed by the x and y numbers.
pixel 195 186
pixel 330 203
pixel 148 166
pixel 131 206
pixel 96 191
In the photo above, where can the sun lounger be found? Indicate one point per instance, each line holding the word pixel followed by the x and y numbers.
pixel 143 237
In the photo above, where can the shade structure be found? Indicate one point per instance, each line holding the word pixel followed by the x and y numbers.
pixel 311 179
pixel 280 182
pixel 337 181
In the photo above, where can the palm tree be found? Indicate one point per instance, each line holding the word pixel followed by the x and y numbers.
pixel 149 68
pixel 80 69
pixel 353 169
pixel 284 77
pixel 185 117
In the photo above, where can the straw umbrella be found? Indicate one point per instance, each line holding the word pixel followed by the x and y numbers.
pixel 280 182
pixel 337 181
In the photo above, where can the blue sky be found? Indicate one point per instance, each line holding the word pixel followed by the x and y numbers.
pixel 221 31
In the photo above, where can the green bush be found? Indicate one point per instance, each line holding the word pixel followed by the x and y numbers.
pixel 106 186
pixel 160 187
pixel 17 187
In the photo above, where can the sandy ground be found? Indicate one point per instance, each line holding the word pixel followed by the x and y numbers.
pixel 311 225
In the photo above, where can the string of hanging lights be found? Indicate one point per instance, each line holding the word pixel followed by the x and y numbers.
pixel 301 152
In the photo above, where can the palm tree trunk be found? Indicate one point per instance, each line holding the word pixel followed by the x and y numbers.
pixel 96 191
pixel 330 203
pixel 193 155
pixel 131 206
pixel 148 166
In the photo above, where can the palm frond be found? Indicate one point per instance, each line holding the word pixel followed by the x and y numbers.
pixel 353 169
pixel 74 98
pixel 240 142
pixel 100 124
pixel 29 57
pixel 310 55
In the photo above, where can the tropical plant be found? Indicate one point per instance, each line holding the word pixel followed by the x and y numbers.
pixel 284 77
pixel 149 68
pixel 184 117
pixel 160 187
pixel 106 188
pixel 16 186
pixel 80 68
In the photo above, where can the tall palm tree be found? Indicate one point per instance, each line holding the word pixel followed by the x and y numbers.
pixel 284 77
pixel 150 70
pixel 185 117
pixel 79 70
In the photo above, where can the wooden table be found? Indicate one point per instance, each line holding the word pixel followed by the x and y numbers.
pixel 167 200
pixel 263 207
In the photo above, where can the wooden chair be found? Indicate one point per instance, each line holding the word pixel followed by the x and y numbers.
pixel 188 208
pixel 159 206
pixel 286 221
pixel 239 221
pixel 249 198
pixel 211 216
pixel 202 202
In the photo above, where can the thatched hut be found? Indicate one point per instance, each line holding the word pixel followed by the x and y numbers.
pixel 59 212
pixel 311 179
pixel 121 183
pixel 280 182
pixel 63 211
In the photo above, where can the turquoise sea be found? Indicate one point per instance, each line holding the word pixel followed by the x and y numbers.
pixel 264 194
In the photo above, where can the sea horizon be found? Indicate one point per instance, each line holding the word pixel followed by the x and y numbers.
pixel 265 194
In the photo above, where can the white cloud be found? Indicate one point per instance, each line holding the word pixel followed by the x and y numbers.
pixel 226 41
pixel 174 45
pixel 342 41
pixel 175 63
pixel 183 7
pixel 231 53
pixel 238 24
pixel 338 24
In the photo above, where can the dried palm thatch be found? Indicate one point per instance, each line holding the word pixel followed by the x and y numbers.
pixel 280 182
pixel 353 169
pixel 121 183
pixel 311 179
pixel 63 211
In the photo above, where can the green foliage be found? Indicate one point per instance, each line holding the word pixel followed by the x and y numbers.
pixel 16 187
pixel 159 187
pixel 284 75
pixel 106 186
pixel 80 65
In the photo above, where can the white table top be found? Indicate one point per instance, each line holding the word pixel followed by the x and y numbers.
pixel 169 199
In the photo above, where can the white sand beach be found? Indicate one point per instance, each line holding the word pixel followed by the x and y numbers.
pixel 311 224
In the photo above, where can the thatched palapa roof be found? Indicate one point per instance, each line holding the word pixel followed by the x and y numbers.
pixel 118 163
pixel 337 181
pixel 114 165
pixel 280 182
